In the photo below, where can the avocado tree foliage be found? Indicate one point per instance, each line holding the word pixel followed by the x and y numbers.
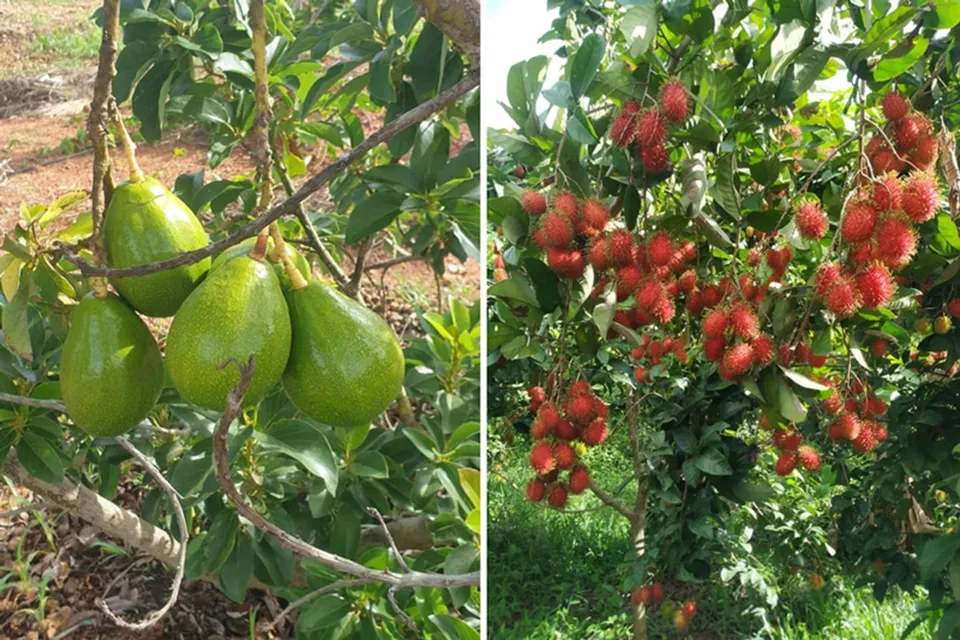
pixel 369 530
pixel 732 224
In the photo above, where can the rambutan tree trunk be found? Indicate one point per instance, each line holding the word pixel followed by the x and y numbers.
pixel 638 522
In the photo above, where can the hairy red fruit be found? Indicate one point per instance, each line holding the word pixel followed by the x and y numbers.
pixel 641 375
pixel 876 285
pixel 866 440
pixel 786 463
pixel 895 106
pixel 579 479
pixel 624 129
pixel 558 496
pixel 660 249
pixel 896 242
pixel 857 387
pixel 533 203
pixel 887 192
pixel 537 394
pixel 628 279
pixel 674 101
pixel 620 247
pixel 762 351
pixel 874 407
pixel 786 439
pixel 566 430
pixel 566 263
pixel 833 404
pixel 880 432
pixel 549 415
pixel 565 203
pixel 906 133
pixel 538 430
pixel 809 458
pixel 863 253
pixel 711 296
pixel 695 303
pixel 595 214
pixel 557 231
pixel 595 433
pixel 859 222
pixel 713 349
pixel 580 409
pixel 925 154
pixel 738 360
pixel 565 456
pixel 827 275
pixel 651 129
pixel 654 158
pixel 744 323
pixel 579 388
pixel 921 197
pixel 542 459
pixel 598 255
pixel 688 281
pixel 885 160
pixel 848 426
pixel 535 490
pixel 879 347
pixel 843 299
pixel 716 323
pixel 665 311
pixel 811 221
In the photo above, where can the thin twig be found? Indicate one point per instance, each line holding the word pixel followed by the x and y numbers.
pixel 54 405
pixel 392 598
pixel 313 595
pixel 353 287
pixel 10 515
pixel 610 501
pixel 288 206
pixel 393 545
pixel 154 473
pixel 293 543
pixel 386 264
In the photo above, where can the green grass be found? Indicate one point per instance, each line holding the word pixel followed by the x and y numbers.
pixel 70 47
pixel 554 575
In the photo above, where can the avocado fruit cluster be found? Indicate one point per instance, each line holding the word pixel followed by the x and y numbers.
pixel 339 362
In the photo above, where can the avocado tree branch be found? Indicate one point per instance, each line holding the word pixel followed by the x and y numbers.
pixel 181 561
pixel 54 405
pixel 353 287
pixel 459 20
pixel 289 206
pixel 267 627
pixel 293 543
pixel 102 187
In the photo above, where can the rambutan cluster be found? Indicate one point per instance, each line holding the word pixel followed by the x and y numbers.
pixel 733 338
pixel 647 128
pixel 856 411
pixel 560 431
pixel 915 146
pixel 567 227
pixel 647 271
pixel 653 352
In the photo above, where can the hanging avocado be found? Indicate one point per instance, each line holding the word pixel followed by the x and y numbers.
pixel 111 372
pixel 245 247
pixel 346 365
pixel 238 311
pixel 146 223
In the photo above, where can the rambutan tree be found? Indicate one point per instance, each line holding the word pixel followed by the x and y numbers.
pixel 729 230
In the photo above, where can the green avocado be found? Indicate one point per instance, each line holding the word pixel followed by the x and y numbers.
pixel 146 223
pixel 245 247
pixel 346 365
pixel 111 372
pixel 237 312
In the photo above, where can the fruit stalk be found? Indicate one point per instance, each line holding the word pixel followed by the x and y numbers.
pixel 260 248
pixel 261 122
pixel 129 147
pixel 297 281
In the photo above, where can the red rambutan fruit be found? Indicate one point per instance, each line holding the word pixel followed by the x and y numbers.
pixel 713 349
pixel 710 296
pixel 786 463
pixel 827 275
pixel 925 154
pixel 628 279
pixel 535 490
pixel 549 415
pixel 921 197
pixel 843 299
pixel 848 426
pixel 738 359
pixel 762 351
pixel 533 203
pixel 876 285
pixel 744 323
pixel 620 247
pixel 859 222
pixel 557 231
pixel 654 158
pixel 566 430
pixel 565 456
pixel 565 203
pixel 866 440
pixel 660 249
pixel 810 220
pixel 885 160
pixel 558 496
pixel 716 323
pixel 674 101
pixel 624 129
pixel 809 458
pixel 895 106
pixel 906 133
pixel 580 409
pixel 595 214
pixel 579 479
pixel 887 192
pixel 542 459
pixel 896 242
pixel 651 129
pixel 598 255
pixel 595 433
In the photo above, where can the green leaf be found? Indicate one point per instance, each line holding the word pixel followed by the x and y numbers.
pixel 954 576
pixel 236 571
pixel 16 324
pixel 936 554
pixel 802 380
pixel 784 47
pixel 586 63
pixel 323 612
pixel 422 442
pixel 150 98
pixel 948 230
pixel 515 288
pixel 397 175
pixel 724 189
pixel 307 445
pixel 131 63
pixel 891 66
pixel 948 14
pixel 470 481
pixel 461 560
pixel 603 313
pixel 885 29
pixel 221 539
pixel 639 26
pixel 39 458
pixel 370 464
pixel 789 404
pixel 713 462
pixel 372 215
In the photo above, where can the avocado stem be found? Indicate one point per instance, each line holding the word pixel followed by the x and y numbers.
pixel 99 286
pixel 260 248
pixel 279 246
pixel 129 148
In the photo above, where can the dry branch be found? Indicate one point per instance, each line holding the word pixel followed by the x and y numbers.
pixel 459 20
pixel 293 543
pixel 289 206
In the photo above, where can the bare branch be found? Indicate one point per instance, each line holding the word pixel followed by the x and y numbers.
pixel 610 501
pixel 386 264
pixel 353 287
pixel 393 545
pixel 313 595
pixel 181 562
pixel 459 20
pixel 288 206
pixel 54 405
pixel 293 543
